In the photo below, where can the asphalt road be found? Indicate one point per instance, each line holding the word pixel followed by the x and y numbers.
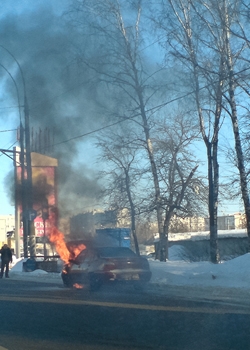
pixel 41 316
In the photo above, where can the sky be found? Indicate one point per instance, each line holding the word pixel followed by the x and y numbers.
pixel 227 280
pixel 38 38
pixel 7 169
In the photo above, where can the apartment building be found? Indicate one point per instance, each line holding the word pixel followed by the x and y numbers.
pixel 7 224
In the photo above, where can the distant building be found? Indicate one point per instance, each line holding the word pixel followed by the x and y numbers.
pixel 85 224
pixel 240 220
pixel 224 222
pixel 188 224
pixel 7 224
pixel 198 224
pixel 123 218
pixel 195 223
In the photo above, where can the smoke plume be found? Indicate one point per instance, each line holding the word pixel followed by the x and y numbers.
pixel 61 93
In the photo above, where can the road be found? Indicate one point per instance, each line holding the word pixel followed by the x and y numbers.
pixel 40 316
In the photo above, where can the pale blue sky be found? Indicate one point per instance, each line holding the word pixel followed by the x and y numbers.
pixel 9 118
pixel 6 166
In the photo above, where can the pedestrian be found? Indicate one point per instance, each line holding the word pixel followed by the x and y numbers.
pixel 6 258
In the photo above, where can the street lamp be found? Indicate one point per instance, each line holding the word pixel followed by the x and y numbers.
pixel 27 202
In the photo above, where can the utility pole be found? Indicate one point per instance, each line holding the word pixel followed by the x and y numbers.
pixel 28 214
pixel 29 191
pixel 23 194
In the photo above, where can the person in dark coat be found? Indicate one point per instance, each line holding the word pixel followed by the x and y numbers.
pixel 6 258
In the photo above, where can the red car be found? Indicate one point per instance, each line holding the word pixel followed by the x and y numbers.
pixel 95 266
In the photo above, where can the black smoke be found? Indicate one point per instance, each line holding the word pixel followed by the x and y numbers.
pixel 62 93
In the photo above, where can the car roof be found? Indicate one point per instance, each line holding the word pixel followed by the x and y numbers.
pixel 115 252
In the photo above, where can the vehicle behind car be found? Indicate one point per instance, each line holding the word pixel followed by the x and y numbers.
pixel 96 266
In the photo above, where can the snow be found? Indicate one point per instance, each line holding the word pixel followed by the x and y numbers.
pixel 229 280
pixel 201 235
pixel 17 272
pixel 232 274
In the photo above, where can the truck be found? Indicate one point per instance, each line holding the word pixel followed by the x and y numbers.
pixel 117 237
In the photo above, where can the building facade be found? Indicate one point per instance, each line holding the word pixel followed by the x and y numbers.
pixel 196 224
pixel 7 224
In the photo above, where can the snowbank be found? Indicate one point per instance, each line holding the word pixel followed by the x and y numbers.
pixel 233 273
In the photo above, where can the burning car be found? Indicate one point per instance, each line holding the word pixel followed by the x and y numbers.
pixel 96 266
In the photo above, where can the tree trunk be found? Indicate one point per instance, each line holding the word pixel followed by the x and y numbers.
pixel 170 211
pixel 234 119
pixel 212 206
pixel 138 87
pixel 165 232
pixel 162 247
pixel 132 212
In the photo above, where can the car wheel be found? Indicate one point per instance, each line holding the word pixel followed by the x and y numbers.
pixel 66 281
pixel 95 282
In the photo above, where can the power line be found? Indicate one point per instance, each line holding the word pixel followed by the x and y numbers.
pixel 92 132
pixel 8 130
pixel 153 109
pixel 149 110
pixel 8 107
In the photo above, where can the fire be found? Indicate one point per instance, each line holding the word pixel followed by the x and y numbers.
pixel 78 286
pixel 75 250
pixel 57 238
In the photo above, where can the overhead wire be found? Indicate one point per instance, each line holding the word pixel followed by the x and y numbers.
pixel 9 130
pixel 153 109
pixel 148 110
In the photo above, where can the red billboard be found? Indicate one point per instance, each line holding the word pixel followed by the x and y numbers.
pixel 44 194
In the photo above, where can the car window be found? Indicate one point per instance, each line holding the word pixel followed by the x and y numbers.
pixel 90 255
pixel 115 252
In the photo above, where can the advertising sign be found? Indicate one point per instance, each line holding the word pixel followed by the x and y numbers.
pixel 43 194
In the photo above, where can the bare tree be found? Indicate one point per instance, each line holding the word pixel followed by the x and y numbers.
pixel 120 64
pixel 121 172
pixel 228 14
pixel 183 191
pixel 195 40
pixel 234 51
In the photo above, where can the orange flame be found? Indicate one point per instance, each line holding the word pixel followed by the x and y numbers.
pixel 75 249
pixel 78 286
pixel 57 238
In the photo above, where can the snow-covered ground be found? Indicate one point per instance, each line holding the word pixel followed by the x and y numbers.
pixel 228 281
